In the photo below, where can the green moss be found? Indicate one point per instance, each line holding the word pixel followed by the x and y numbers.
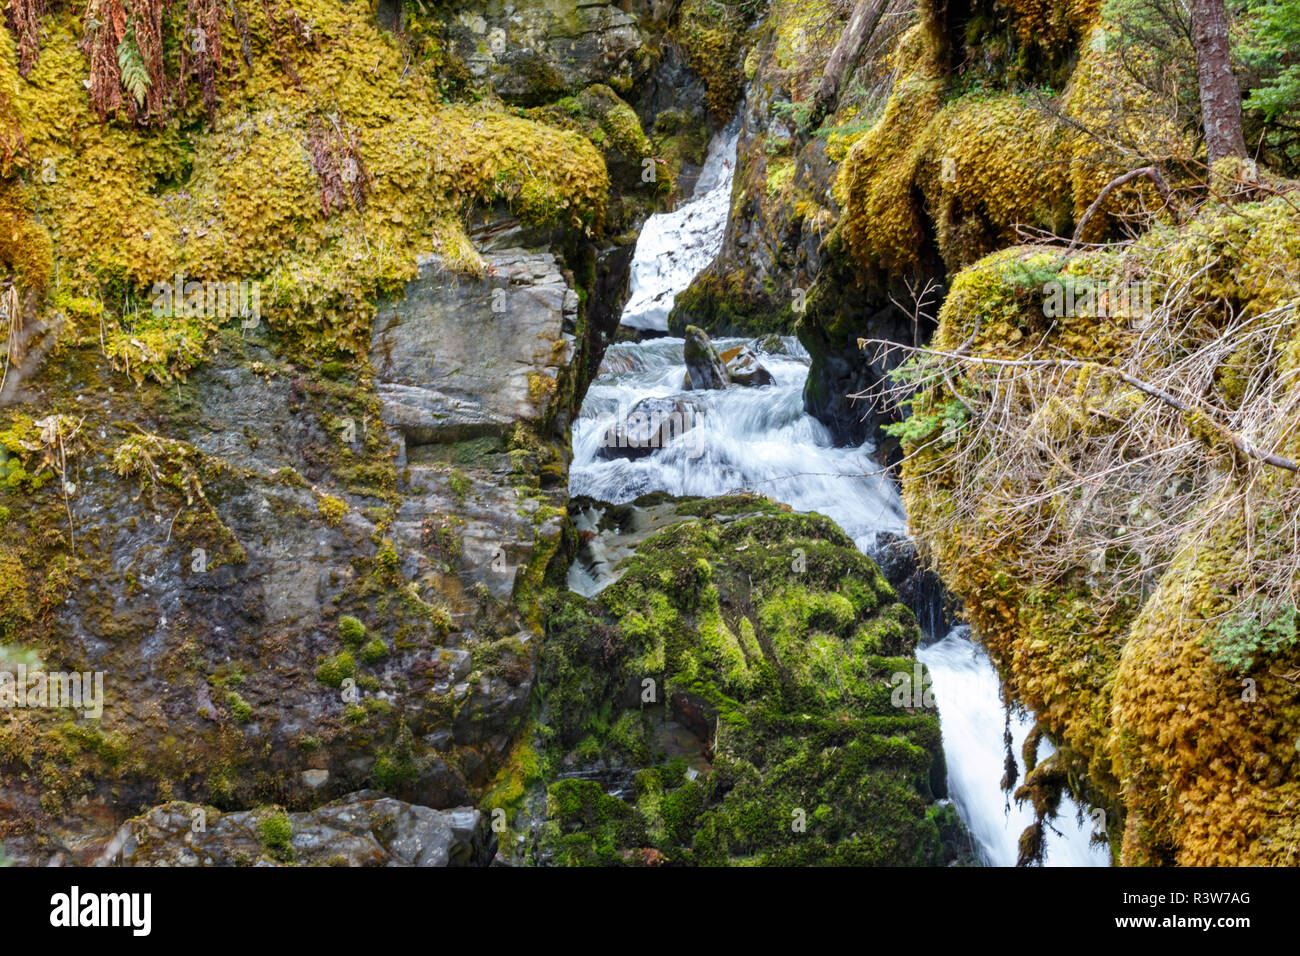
pixel 333 671
pixel 332 509
pixel 275 833
pixel 397 765
pixel 460 485
pixel 240 709
pixel 351 631
pixel 14 607
pixel 522 769
pixel 374 651
pixel 763 633
pixel 712 34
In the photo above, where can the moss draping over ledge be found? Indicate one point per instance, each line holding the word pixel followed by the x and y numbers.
pixel 1175 701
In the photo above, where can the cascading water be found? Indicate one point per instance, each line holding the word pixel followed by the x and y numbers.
pixel 973 721
pixel 740 438
pixel 761 439
pixel 674 246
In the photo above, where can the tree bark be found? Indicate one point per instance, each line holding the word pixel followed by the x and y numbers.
pixel 844 58
pixel 1220 95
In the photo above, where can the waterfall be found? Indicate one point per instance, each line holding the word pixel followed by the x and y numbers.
pixel 973 720
pixel 761 439
pixel 674 246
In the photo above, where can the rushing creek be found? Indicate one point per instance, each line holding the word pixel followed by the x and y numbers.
pixel 761 439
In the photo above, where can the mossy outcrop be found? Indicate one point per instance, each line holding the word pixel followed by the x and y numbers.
pixel 241 198
pixel 965 127
pixel 300 573
pixel 734 698
pixel 1170 687
pixel 535 53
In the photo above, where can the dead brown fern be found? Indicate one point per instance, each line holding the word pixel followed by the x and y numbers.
pixel 142 56
pixel 23 18
pixel 336 159
pixel 27 339
pixel 104 26
pixel 201 50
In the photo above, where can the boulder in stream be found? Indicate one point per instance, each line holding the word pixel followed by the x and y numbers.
pixel 747 665
pixel 744 367
pixel 705 368
pixel 650 425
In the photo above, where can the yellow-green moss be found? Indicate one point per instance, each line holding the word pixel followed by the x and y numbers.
pixel 712 34
pixel 332 509
pixel 126 208
pixel 1200 772
pixel 14 607
pixel 969 171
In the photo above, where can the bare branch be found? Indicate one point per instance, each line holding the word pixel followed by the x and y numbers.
pixel 1150 172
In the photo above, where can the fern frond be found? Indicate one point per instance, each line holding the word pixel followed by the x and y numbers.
pixel 135 78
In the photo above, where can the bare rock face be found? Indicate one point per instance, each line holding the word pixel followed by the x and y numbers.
pixel 419 501
pixel 364 829
pixel 535 52
pixel 460 361
pixel 705 368
pixel 459 357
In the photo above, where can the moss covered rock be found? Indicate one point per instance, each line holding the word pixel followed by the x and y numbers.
pixel 1163 665
pixel 741 694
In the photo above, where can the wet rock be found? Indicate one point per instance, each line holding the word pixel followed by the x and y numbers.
pixel 773 246
pixel 650 425
pixel 226 649
pixel 918 587
pixel 770 344
pixel 744 368
pixel 846 383
pixel 315 779
pixel 694 712
pixel 364 829
pixel 704 366
pixel 608 534
pixel 535 53
pixel 391 15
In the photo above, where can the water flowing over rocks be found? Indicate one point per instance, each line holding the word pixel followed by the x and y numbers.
pixel 649 426
pixel 672 247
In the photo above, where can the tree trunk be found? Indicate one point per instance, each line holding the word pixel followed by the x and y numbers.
pixel 1220 95
pixel 844 58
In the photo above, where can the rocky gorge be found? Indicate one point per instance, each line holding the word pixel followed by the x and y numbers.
pixel 546 504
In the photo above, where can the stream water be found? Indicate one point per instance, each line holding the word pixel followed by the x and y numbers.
pixel 761 439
